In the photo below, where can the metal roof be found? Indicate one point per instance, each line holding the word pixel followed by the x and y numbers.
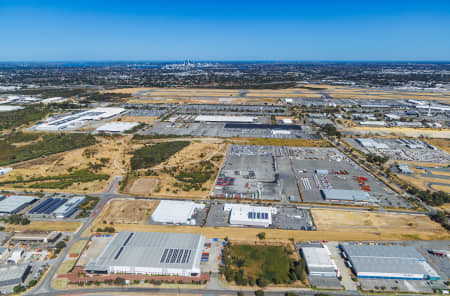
pixel 117 126
pixel 381 251
pixel 348 195
pixel 15 202
pixel 69 205
pixel 12 272
pixel 150 249
pixel 172 211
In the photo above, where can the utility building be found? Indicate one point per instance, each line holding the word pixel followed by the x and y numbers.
pixel 319 262
pixel 240 214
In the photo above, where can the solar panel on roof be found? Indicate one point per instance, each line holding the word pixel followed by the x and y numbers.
pixel 163 257
pixel 169 255
pixel 118 253
pixel 185 256
pixel 180 254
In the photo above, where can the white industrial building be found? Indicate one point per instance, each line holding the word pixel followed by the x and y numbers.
pixel 371 143
pixel 221 118
pixel 54 100
pixel 373 123
pixel 348 195
pixel 157 253
pixel 15 203
pixel 176 212
pixel 13 275
pixel 388 262
pixel 4 171
pixel 73 121
pixel 7 108
pixel 319 262
pixel 69 207
pixel 242 214
pixel 116 127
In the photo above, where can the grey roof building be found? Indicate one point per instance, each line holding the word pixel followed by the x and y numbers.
pixel 150 253
pixel 391 262
pixel 12 275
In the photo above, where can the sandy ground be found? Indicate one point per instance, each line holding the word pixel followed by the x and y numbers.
pixel 401 131
pixel 44 226
pixel 134 211
pixel 114 149
pixel 248 235
pixel 143 119
pixel 142 186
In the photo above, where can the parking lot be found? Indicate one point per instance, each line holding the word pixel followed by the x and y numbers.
pixel 295 174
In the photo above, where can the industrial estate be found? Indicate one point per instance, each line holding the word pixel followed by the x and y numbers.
pixel 311 187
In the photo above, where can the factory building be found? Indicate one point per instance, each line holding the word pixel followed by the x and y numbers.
pixel 176 212
pixel 319 262
pixel 77 120
pixel 36 237
pixel 221 118
pixel 371 143
pixel 116 127
pixel 13 275
pixel 344 195
pixel 388 262
pixel 69 207
pixel 156 253
pixel 15 203
pixel 249 215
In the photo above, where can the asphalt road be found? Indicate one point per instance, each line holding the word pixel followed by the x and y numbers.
pixel 44 286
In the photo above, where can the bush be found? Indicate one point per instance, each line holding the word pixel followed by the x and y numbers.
pixel 149 156
pixel 259 293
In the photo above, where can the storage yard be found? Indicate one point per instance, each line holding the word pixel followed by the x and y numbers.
pixel 299 174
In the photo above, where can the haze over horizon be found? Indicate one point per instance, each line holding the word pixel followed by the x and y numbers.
pixel 233 31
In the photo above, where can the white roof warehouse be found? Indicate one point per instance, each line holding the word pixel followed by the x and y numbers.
pixel 150 253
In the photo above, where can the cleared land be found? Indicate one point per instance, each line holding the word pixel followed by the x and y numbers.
pixel 353 233
pixel 442 144
pixel 143 186
pixel 385 224
pixel 126 211
pixel 143 119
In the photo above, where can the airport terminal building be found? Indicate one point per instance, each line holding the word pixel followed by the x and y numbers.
pixel 150 253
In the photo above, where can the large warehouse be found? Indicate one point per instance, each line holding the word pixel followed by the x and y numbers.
pixel 221 118
pixel 388 262
pixel 150 253
pixel 15 203
pixel 12 275
pixel 241 214
pixel 344 195
pixel 69 207
pixel 176 212
pixel 319 262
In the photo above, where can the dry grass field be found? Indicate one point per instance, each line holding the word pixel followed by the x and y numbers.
pixel 142 186
pixel 197 95
pixel 126 211
pixel 44 226
pixel 442 144
pixel 423 183
pixel 333 225
pixel 143 119
pixel 400 131
pixel 114 150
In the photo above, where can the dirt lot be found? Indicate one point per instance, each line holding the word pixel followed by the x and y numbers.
pixel 143 119
pixel 442 144
pixel 44 226
pixel 142 186
pixel 386 224
pixel 126 211
pixel 114 149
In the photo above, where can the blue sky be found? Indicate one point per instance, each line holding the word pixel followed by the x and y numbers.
pixel 224 30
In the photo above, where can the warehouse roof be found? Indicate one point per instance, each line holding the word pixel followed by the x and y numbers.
pixel 172 211
pixel 150 249
pixel 381 251
pixel 6 108
pixel 12 272
pixel 347 195
pixel 69 205
pixel 218 118
pixel 15 202
pixel 117 126
pixel 317 257
pixel 388 265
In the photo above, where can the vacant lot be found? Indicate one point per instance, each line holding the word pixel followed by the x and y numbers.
pixel 442 144
pixel 385 224
pixel 126 211
pixel 354 233
pixel 109 156
pixel 44 226
pixel 401 131
pixel 142 186
pixel 261 265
